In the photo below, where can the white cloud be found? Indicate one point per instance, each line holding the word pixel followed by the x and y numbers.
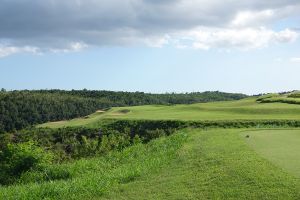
pixel 278 59
pixel 9 50
pixel 71 47
pixel 246 18
pixel 246 38
pixel 157 42
pixel 295 59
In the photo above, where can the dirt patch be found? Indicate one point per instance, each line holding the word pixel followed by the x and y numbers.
pixel 58 122
pixel 124 111
pixel 120 112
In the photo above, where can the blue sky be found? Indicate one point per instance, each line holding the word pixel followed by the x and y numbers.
pixel 253 49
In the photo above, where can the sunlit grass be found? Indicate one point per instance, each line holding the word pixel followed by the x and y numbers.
pixel 281 147
pixel 246 109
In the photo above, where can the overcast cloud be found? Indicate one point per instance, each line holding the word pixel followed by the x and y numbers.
pixel 36 26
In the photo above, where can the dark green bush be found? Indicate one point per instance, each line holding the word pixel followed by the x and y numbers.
pixel 295 95
pixel 16 159
pixel 281 100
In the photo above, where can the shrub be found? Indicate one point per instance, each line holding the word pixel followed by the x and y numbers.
pixel 16 159
pixel 136 139
pixel 281 100
pixel 295 95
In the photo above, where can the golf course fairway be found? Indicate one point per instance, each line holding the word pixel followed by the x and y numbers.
pixel 281 147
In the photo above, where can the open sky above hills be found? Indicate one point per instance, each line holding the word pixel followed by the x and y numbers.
pixel 246 46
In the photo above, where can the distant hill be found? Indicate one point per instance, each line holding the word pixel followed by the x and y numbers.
pixel 19 109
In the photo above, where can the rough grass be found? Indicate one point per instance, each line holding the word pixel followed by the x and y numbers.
pixel 213 164
pixel 246 109
pixel 279 146
pixel 90 178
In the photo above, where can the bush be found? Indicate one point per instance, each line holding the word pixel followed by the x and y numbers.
pixel 16 159
pixel 281 100
pixel 295 95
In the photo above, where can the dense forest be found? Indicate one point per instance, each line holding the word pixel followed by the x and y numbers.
pixel 20 109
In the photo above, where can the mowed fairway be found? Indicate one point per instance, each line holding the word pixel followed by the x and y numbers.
pixel 281 147
pixel 214 164
pixel 246 109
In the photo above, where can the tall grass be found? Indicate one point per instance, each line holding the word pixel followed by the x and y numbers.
pixel 93 177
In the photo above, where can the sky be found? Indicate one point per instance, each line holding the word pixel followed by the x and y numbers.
pixel 157 46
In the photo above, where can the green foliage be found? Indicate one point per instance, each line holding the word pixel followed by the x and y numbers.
pixel 136 139
pixel 77 142
pixel 16 159
pixel 294 95
pixel 288 100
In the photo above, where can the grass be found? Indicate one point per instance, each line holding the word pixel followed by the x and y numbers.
pixel 246 109
pixel 212 164
pixel 93 177
pixel 281 147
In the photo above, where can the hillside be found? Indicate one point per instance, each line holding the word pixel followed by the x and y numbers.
pixel 20 109
pixel 245 109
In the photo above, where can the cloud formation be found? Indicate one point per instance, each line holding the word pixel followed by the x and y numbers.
pixel 295 59
pixel 72 25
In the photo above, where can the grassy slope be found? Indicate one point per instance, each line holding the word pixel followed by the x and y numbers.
pixel 95 176
pixel 215 164
pixel 231 110
pixel 279 146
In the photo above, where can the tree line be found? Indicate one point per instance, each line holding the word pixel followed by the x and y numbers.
pixel 20 109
